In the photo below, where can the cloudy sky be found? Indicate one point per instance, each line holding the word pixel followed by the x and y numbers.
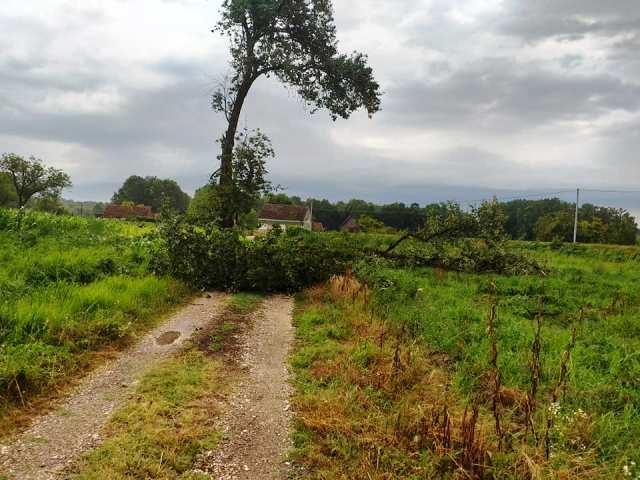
pixel 481 97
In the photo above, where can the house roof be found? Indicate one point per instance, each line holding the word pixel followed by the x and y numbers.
pixel 291 213
pixel 125 211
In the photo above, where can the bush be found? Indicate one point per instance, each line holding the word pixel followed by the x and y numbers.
pixel 278 262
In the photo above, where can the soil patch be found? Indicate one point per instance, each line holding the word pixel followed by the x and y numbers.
pixel 167 338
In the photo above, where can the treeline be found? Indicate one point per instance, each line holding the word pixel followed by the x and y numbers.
pixel 398 216
pixel 544 220
pixel 553 219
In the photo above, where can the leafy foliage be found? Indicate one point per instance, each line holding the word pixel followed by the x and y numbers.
pixel 209 257
pixel 373 225
pixel 545 220
pixel 553 219
pixel 249 181
pixel 472 241
pixel 153 192
pixel 295 40
pixel 8 196
pixel 30 177
pixel 205 205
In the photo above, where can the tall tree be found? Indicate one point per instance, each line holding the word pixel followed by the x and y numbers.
pixel 152 191
pixel 295 40
pixel 30 177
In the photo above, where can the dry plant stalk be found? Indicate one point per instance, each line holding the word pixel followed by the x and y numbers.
pixel 493 361
pixel 535 366
pixel 473 448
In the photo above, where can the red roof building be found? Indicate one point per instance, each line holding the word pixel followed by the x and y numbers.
pixel 128 211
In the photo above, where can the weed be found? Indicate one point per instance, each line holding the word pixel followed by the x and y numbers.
pixel 69 287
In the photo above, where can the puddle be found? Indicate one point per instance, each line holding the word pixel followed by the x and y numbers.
pixel 167 338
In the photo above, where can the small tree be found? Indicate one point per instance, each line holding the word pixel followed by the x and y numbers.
pixel 204 207
pixel 7 191
pixel 249 181
pixel 370 224
pixel 30 177
pixel 295 40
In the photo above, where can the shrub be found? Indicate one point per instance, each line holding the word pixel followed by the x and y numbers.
pixel 278 262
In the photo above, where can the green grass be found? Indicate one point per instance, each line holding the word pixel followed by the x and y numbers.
pixel 161 431
pixel 70 286
pixel 445 313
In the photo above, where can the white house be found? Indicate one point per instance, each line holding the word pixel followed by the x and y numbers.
pixel 285 216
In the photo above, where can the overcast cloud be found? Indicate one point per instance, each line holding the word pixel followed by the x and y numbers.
pixel 481 97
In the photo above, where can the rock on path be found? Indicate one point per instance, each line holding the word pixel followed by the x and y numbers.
pixel 60 437
pixel 256 423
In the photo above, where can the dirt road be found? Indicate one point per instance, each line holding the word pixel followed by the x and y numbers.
pixel 256 423
pixel 57 439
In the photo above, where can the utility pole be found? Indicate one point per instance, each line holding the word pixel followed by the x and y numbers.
pixel 575 225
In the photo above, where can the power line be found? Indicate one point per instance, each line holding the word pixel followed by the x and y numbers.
pixel 520 197
pixel 609 191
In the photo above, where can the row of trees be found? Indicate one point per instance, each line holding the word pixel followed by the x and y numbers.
pixel 544 220
pixel 27 182
pixel 553 219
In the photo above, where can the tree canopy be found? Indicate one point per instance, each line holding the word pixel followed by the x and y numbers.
pixel 154 192
pixel 295 40
pixel 8 196
pixel 29 178
pixel 553 219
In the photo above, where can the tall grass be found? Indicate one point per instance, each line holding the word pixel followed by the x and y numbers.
pixel 69 286
pixel 586 375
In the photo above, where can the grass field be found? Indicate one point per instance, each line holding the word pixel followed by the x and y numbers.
pixel 70 286
pixel 388 377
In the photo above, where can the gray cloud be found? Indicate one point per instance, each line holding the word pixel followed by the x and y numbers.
pixel 503 94
pixel 481 97
pixel 570 19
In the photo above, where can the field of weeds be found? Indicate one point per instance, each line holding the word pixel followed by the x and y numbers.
pixel 424 373
pixel 68 287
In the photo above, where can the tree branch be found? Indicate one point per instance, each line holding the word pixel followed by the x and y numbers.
pixel 427 239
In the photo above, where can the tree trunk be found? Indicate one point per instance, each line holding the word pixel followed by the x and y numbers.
pixel 226 158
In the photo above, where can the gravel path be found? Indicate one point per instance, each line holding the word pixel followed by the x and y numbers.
pixel 256 423
pixel 58 438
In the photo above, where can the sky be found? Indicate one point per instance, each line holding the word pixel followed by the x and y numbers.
pixel 481 98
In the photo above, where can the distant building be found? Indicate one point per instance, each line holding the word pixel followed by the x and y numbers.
pixel 317 226
pixel 128 211
pixel 351 225
pixel 285 216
